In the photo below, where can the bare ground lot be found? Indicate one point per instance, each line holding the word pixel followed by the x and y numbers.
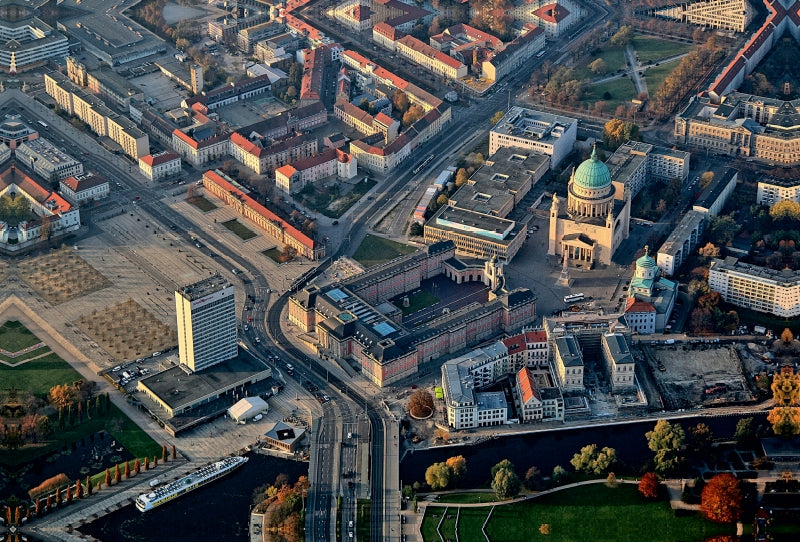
pixel 694 377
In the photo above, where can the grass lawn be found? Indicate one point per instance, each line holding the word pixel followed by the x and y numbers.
pixel 621 91
pixel 273 253
pixel 469 524
pixel 448 527
pixel 329 202
pixel 417 302
pixel 376 250
pixel 362 519
pixel 653 49
pixel 433 514
pixel 598 513
pixel 202 203
pixel 15 337
pixel 26 356
pixel 239 229
pixel 39 375
pixel 655 76
pixel 467 498
pixel 614 57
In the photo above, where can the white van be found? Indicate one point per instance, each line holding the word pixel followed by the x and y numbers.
pixel 154 483
pixel 258 417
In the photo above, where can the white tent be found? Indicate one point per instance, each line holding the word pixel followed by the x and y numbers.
pixel 247 408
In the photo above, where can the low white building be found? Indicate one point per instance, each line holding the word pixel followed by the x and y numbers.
pixel 46 160
pixel 568 359
pixel 83 188
pixel 160 165
pixel 247 409
pixel 535 402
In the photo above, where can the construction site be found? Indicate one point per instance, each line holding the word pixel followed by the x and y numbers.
pixel 695 375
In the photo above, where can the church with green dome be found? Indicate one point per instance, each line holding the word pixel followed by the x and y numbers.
pixel 587 228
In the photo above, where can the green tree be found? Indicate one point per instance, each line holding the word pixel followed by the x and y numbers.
pixel 438 476
pixel 700 440
pixel 43 427
pixel 442 200
pixel 666 440
pixel 533 479
pixel 416 229
pixel 598 66
pixel 559 475
pixel 506 484
pixel 706 179
pixel 617 131
pixel 496 117
pixel 623 37
pixel 594 461
pixel 504 464
pixel 722 229
pixel 785 421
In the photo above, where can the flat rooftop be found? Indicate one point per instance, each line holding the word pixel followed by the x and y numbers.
pixel 467 222
pixel 178 389
pixel 685 228
pixel 533 124
pixel 205 287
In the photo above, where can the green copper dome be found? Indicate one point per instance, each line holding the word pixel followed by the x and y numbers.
pixel 592 173
pixel 645 261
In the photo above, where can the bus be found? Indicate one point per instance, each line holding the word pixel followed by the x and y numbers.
pixel 424 163
pixel 42 123
pixel 573 298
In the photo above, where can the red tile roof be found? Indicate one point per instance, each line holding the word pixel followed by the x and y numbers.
pixel 214 177
pixel 86 182
pixel 634 305
pixel 527 385
pixel 158 159
pixel 12 175
pixel 552 13
pixel 416 45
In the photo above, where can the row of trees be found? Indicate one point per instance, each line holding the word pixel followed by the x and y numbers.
pixel 283 505
pixel 688 73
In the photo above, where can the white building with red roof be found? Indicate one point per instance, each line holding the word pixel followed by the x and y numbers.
pixel 537 399
pixel 160 165
pixel 83 188
pixel 640 316
pixel 297 175
pixel 51 214
pixel 429 58
pixel 553 16
pixel 528 349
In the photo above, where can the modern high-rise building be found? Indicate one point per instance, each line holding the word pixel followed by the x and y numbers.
pixel 206 314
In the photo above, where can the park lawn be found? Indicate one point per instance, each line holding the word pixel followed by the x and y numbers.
pixel 656 75
pixel 614 57
pixel 433 514
pixel 417 302
pixel 598 513
pixel 448 527
pixel 39 375
pixel 470 522
pixel 328 202
pixel 239 229
pixel 653 49
pixel 467 498
pixel 376 250
pixel 202 203
pixel 26 356
pixel 273 253
pixel 621 91
pixel 15 337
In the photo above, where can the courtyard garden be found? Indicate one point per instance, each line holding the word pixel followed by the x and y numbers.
pixel 61 275
pixel 243 232
pixel 333 199
pixel 417 301
pixel 375 250
pixel 127 330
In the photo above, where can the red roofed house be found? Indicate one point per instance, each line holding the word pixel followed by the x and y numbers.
pixel 640 316
pixel 432 59
pixel 160 165
pixel 83 188
pixel 222 186
pixel 297 175
pixel 528 349
pixel 46 206
pixel 537 398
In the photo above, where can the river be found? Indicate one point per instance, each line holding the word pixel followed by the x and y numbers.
pixel 219 511
pixel 545 450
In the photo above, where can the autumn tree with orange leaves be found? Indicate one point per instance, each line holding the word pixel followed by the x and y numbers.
pixel 648 485
pixel 721 500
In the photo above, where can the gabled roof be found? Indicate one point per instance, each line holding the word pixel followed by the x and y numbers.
pixel 527 386
pixel 159 158
pixel 84 182
pixel 634 305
